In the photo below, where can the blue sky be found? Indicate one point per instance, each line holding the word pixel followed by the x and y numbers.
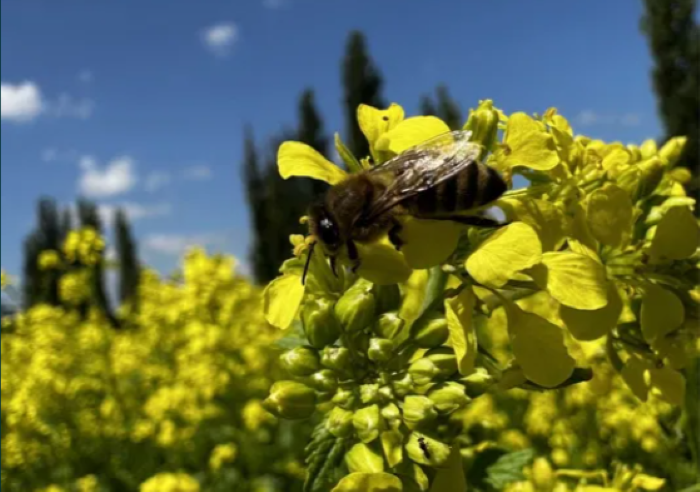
pixel 143 104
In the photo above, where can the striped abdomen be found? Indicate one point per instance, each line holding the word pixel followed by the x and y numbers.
pixel 477 185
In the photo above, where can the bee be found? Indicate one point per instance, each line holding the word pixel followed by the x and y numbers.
pixel 424 447
pixel 439 179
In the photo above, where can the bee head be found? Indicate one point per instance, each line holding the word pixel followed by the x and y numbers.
pixel 324 227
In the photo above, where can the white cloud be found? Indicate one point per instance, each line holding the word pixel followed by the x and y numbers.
pixel 134 211
pixel 589 117
pixel 177 244
pixel 67 106
pixel 219 38
pixel 20 102
pixel 199 172
pixel 86 76
pixel 156 180
pixel 117 177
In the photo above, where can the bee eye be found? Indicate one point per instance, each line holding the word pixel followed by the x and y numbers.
pixel 328 231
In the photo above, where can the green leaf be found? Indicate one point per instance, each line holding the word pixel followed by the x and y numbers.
pixel 609 215
pixel 459 312
pixel 369 482
pixel 636 375
pixel 528 144
pixel 677 235
pixel 538 346
pixel 363 458
pixel 662 312
pixel 509 468
pixel 573 279
pixel 668 383
pixel 507 251
pixel 299 159
pixel 589 325
pixel 349 159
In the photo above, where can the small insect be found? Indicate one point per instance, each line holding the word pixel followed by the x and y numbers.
pixel 424 447
pixel 438 179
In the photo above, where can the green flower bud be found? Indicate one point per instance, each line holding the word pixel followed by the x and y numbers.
pixel 355 309
pixel 300 361
pixel 320 325
pixel 380 349
pixel 418 411
pixel 629 180
pixel 448 397
pixel 386 393
pixel 345 398
pixel 430 331
pixel 426 450
pixel 388 325
pixel 336 358
pixel 652 171
pixel 392 415
pixel 388 298
pixel 403 386
pixel 437 363
pixel 367 423
pixel 444 358
pixel 483 123
pixel 477 383
pixel 672 150
pixel 290 400
pixel 423 371
pixel 369 393
pixel 339 422
pixel 324 380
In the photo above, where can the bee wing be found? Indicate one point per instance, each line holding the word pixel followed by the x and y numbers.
pixel 423 167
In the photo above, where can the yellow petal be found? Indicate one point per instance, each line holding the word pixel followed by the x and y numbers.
pixel 647 482
pixel 411 132
pixel 451 478
pixel 572 279
pixel 636 375
pixel 617 161
pixel 507 251
pixel 459 312
pixel 392 443
pixel 609 215
pixel 669 384
pixel 282 298
pixel 428 243
pixel 369 482
pixel 538 346
pixel 543 216
pixel 382 264
pixel 376 122
pixel 363 458
pixel 662 312
pixel 413 295
pixel 298 159
pixel 528 144
pixel 592 324
pixel 677 235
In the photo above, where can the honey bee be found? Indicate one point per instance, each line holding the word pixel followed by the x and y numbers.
pixel 439 179
pixel 424 447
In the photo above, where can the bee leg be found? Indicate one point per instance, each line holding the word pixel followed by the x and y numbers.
pixel 353 256
pixel 468 220
pixel 335 272
pixel 394 234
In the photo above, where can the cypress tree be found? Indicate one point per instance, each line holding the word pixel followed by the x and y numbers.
pixel 311 132
pixel 362 84
pixel 129 269
pixel 444 107
pixel 674 42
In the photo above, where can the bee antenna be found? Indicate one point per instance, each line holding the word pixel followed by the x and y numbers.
pixel 308 261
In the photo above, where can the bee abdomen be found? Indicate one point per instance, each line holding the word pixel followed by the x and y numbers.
pixel 475 186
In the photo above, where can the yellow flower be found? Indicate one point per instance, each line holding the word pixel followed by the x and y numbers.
pixel 49 260
pixel 222 454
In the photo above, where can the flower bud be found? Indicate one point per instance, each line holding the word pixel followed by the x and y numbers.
pixel 652 171
pixel 388 325
pixel 339 422
pixel 344 398
pixel 402 386
pixel 648 148
pixel 386 393
pixel 418 410
pixel 672 150
pixel 477 383
pixel 324 380
pixel 290 400
pixel 439 362
pixel 388 298
pixel 336 358
pixel 300 361
pixel 430 331
pixel 542 474
pixel 483 123
pixel 629 180
pixel 448 397
pixel 392 415
pixel 355 309
pixel 380 349
pixel 320 325
pixel 367 423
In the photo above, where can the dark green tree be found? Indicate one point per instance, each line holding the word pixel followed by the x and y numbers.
pixel 444 107
pixel 66 223
pixel 129 268
pixel 674 41
pixel 32 290
pixel 362 84
pixel 310 132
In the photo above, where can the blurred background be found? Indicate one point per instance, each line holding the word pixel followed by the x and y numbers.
pixel 158 122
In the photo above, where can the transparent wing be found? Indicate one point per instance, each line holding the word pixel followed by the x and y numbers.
pixel 423 167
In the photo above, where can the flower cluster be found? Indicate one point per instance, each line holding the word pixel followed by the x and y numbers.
pixel 601 246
